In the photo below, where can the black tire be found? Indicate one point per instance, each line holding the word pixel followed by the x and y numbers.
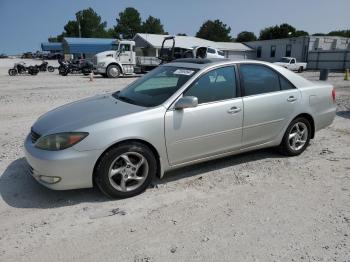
pixel 103 167
pixel 300 69
pixel 64 72
pixel 285 148
pixel 113 71
pixel 50 69
pixel 12 72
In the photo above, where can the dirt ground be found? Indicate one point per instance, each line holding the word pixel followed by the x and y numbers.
pixel 259 206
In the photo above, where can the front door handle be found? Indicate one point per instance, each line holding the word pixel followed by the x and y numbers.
pixel 234 110
pixel 292 99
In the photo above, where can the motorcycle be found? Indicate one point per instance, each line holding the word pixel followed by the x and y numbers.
pixel 45 67
pixel 21 68
pixel 77 67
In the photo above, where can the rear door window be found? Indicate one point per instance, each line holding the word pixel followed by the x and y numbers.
pixel 258 79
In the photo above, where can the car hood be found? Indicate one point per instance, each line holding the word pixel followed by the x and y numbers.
pixel 83 113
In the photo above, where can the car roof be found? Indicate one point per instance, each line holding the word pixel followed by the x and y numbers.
pixel 202 64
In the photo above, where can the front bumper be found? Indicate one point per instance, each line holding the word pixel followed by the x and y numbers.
pixel 61 170
pixel 99 70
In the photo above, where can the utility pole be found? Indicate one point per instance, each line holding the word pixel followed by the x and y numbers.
pixel 79 27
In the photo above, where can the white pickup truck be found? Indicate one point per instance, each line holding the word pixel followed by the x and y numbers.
pixel 291 64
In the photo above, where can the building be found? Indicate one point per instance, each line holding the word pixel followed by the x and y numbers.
pixel 150 45
pixel 52 47
pixel 87 47
pixel 318 51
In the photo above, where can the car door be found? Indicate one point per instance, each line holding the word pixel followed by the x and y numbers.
pixel 270 101
pixel 214 126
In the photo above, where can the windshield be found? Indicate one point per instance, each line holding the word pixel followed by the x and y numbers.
pixel 284 60
pixel 155 87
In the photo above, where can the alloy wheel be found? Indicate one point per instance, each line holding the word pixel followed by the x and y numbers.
pixel 128 171
pixel 298 136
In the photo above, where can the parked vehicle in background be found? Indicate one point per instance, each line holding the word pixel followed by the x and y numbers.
pixel 21 68
pixel 3 55
pixel 44 66
pixel 124 61
pixel 81 66
pixel 121 141
pixel 27 55
pixel 204 52
pixel 53 56
pixel 291 64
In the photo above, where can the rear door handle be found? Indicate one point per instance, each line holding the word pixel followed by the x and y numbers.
pixel 234 110
pixel 292 99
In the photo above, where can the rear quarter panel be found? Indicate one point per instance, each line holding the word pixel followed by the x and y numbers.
pixel 319 103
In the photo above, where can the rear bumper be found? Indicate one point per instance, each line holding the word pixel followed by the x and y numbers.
pixel 61 170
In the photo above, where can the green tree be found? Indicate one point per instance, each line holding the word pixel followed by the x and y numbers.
pixel 152 26
pixel 90 26
pixel 300 33
pixel 128 23
pixel 245 36
pixel 181 34
pixel 343 33
pixel 215 31
pixel 282 31
pixel 319 34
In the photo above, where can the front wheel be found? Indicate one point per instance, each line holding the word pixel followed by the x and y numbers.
pixel 113 71
pixel 126 170
pixel 50 69
pixel 12 72
pixel 296 137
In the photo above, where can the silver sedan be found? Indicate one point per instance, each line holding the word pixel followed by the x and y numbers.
pixel 181 113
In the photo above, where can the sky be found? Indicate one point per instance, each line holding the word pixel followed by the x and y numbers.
pixel 25 24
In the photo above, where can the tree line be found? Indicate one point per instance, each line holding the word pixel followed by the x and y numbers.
pixel 128 23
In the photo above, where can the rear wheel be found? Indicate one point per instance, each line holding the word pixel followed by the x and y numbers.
pixel 50 69
pixel 113 71
pixel 300 69
pixel 296 137
pixel 126 170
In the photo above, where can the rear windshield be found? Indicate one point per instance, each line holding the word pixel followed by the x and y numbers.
pixel 155 87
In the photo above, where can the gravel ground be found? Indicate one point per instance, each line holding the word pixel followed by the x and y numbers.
pixel 259 206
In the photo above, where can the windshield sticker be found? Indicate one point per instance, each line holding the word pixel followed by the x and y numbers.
pixel 183 72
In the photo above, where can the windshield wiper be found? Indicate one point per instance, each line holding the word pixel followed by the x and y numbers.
pixel 124 99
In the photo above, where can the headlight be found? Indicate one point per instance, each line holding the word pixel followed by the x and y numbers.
pixel 60 141
pixel 102 64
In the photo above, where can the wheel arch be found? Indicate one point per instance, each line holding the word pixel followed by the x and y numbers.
pixel 311 121
pixel 117 64
pixel 141 141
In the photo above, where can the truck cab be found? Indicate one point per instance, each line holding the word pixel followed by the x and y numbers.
pixel 118 62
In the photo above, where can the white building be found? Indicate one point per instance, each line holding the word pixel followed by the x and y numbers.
pixel 150 44
pixel 319 51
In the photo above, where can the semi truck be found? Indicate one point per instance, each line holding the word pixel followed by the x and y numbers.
pixel 124 61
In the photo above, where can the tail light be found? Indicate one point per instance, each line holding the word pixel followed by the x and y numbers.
pixel 333 94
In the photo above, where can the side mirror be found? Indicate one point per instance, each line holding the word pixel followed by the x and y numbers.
pixel 186 102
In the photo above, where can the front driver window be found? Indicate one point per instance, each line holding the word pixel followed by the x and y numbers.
pixel 218 84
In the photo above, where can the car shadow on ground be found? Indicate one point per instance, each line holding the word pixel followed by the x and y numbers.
pixel 217 164
pixel 344 114
pixel 18 189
